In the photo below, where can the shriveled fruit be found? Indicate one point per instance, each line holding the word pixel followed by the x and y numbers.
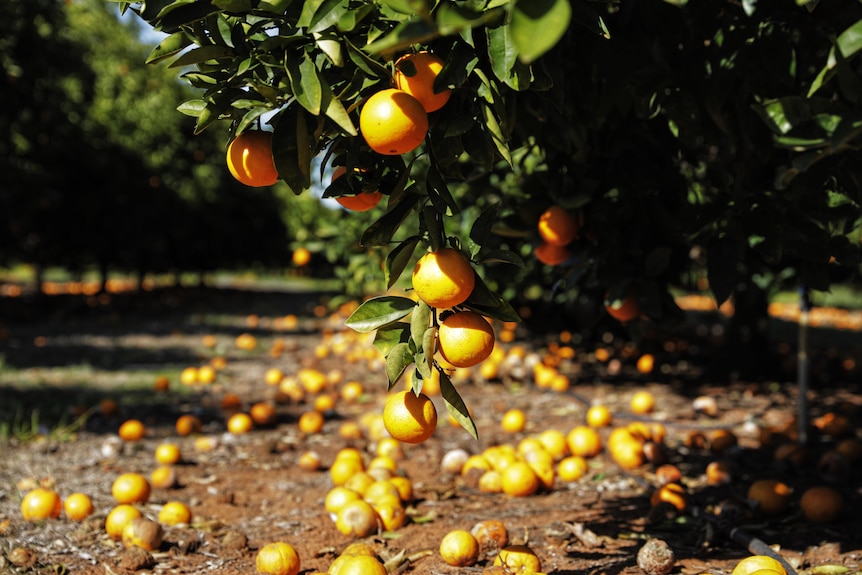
pixel 415 74
pixel 821 504
pixel 519 559
pixel 117 519
pixel 557 226
pixel 41 503
pixel 277 558
pixel 78 506
pixel 131 488
pixel 408 417
pixel 465 339
pixel 393 122
pixel 249 159
pixel 772 496
pixel 444 278
pixel 491 534
pixel 459 548
pixel 142 532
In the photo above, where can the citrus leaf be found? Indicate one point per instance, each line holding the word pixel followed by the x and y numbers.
pixel 438 193
pixel 329 44
pixel 828 570
pixel 451 18
pixel 380 232
pixel 456 406
pixel 848 43
pixel 423 364
pixel 481 229
pixel 429 341
pixel 290 149
pixel 497 137
pixel 199 55
pixel 305 82
pixel 537 25
pixel 168 47
pixel 397 361
pixel 483 301
pixel 420 321
pixel 500 257
pixel 433 223
pixel 391 335
pixel 192 108
pixel 397 260
pixel 415 31
pixel 377 312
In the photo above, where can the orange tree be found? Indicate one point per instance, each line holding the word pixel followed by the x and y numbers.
pixel 692 144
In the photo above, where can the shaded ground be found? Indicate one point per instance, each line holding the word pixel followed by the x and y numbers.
pixel 70 357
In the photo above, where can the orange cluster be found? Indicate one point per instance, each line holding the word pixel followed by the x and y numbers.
pixel 557 229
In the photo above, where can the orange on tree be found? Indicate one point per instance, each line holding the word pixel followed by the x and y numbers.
pixel 393 122
pixel 465 339
pixel 408 417
pixel 551 254
pixel 623 310
pixel 78 506
pixel 41 503
pixel 277 558
pixel 415 74
pixel 301 257
pixel 130 488
pixel 361 202
pixel 250 161
pixel 444 278
pixel 557 226
pixel 459 548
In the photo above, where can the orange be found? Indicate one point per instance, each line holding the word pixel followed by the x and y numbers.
pixel 550 254
pixel 188 424
pixel 771 495
pixel 311 422
pixel 361 202
pixel 206 374
pixel 572 468
pixel 519 480
pixel 459 548
pixel 78 506
pixel 162 383
pixel 554 442
pixel 342 470
pixel 357 565
pixel 491 534
pixel 277 558
pixel 513 421
pixel 465 338
pixel 821 504
pixel 117 519
pixel 645 363
pixel 408 417
pixel 41 503
pixel 625 310
pixel 357 518
pixel 168 454
pixel 719 472
pixel 557 226
pixel 444 278
pixel 338 497
pixel 672 493
pixel 131 488
pixel 491 482
pixel 584 441
pixel 642 402
pixel 391 515
pixel 131 430
pixel 599 416
pixel 415 74
pixel 189 375
pixel 175 513
pixel 393 122
pixel 273 376
pixel 240 423
pixel 163 477
pixel 756 563
pixel 309 460
pixel 301 257
pixel 352 391
pixel 518 559
pixel 142 532
pixel 263 414
pixel 249 159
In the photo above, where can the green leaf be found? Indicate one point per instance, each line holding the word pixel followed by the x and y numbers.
pixel 433 223
pixel 415 31
pixel 483 301
pixel 497 138
pixel 250 117
pixel 456 406
pixel 192 108
pixel 420 321
pixel 849 42
pixel 291 149
pixel 438 193
pixel 425 361
pixel 380 232
pixel 481 229
pixel 168 47
pixel 410 7
pixel 180 13
pixel 305 83
pixel 452 19
pixel 502 52
pixel 234 6
pixel 202 54
pixel 377 312
pixel 397 259
pixel 537 25
pixel 399 358
pixel 391 335
pixel 499 256
pixel 329 44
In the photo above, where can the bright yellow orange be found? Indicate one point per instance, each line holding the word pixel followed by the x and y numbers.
pixel 557 226
pixel 311 422
pixel 584 441
pixel 459 548
pixel 465 339
pixel 352 391
pixel 513 421
pixel 278 558
pixel 249 159
pixel 41 503
pixel 117 519
pixel 519 480
pixel 642 402
pixel 645 363
pixel 361 202
pixel 175 513
pixel 550 254
pixel 357 519
pixel 599 416
pixel 415 74
pixel 301 257
pixel 188 424
pixel 131 488
pixel 240 423
pixel 625 310
pixel 78 506
pixel 756 563
pixel 131 430
pixel 393 122
pixel 168 454
pixel 572 468
pixel 519 559
pixel 189 375
pixel 163 477
pixel 444 278
pixel 357 565
pixel 408 417
pixel 338 497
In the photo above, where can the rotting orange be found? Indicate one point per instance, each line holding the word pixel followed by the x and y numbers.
pixel 550 254
pixel 518 559
pixel 131 488
pixel 117 519
pixel 821 504
pixel 772 496
pixel 444 278
pixel 408 417
pixel 250 161
pixel 465 339
pixel 131 430
pixel 623 310
pixel 175 513
pixel 277 558
pixel 459 548
pixel 78 506
pixel 393 122
pixel 360 202
pixel 671 493
pixel 491 534
pixel 557 226
pixel 142 532
pixel 754 563
pixel 41 503
pixel 338 497
pixel 416 73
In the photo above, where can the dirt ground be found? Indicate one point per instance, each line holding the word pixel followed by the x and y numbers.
pixel 252 484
